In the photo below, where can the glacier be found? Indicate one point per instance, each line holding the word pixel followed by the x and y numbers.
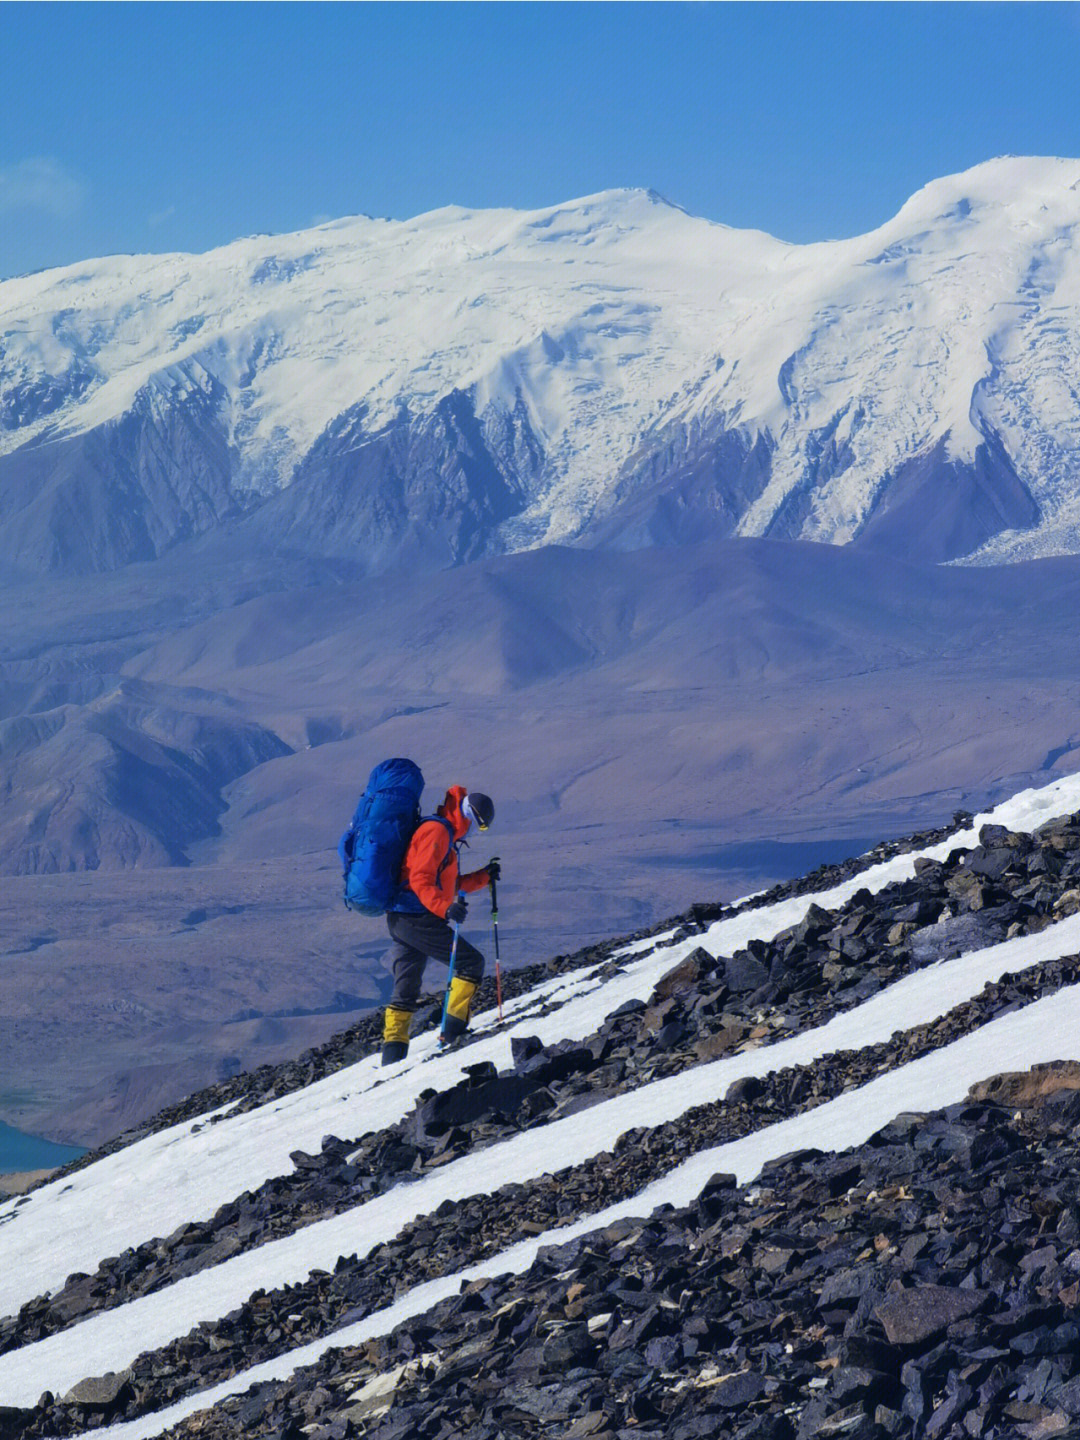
pixel 608 371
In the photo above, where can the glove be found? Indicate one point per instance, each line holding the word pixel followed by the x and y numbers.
pixel 494 869
pixel 456 913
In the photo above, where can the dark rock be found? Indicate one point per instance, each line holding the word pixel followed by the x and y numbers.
pixel 1063 1108
pixel 948 938
pixel 481 1073
pixel 948 1410
pixel 663 1352
pixel 991 863
pixel 744 974
pixel 524 1047
pixel 919 913
pixel 473 1098
pixel 850 1423
pixel 1067 1397
pixel 767 1427
pixel 739 1390
pixel 629 1007
pixel 910 1317
pixel 670 1035
pixel 857 1382
pixel 685 975
pixel 743 1090
pixel 847 1287
pixel 100 1392
pixel 570 1346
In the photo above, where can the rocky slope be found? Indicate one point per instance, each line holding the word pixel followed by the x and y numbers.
pixel 924 1284
pixel 921 1281
pixel 611 370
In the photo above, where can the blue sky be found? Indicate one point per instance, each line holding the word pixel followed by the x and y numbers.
pixel 157 127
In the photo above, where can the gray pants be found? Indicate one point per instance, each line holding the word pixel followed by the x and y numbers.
pixel 421 938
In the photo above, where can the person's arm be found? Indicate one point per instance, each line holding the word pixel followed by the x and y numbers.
pixel 475 880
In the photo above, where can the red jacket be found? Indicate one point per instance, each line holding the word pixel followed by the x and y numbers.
pixel 430 870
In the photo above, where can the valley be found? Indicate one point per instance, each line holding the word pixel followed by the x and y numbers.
pixel 655 730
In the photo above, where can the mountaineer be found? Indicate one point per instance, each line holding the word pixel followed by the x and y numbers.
pixel 428 902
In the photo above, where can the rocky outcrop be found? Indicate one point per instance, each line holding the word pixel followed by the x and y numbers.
pixel 427 489
pixel 439 488
pixel 940 509
pixel 687 483
pixel 128 490
pixel 423 490
pixel 695 480
pixel 1037 1086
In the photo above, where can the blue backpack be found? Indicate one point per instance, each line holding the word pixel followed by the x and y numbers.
pixel 373 848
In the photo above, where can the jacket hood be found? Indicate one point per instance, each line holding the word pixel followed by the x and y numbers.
pixel 451 810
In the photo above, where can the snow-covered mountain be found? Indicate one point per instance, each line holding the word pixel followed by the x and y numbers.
pixel 609 371
pixel 632 1207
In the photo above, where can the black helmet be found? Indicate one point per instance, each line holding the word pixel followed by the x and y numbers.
pixel 478 807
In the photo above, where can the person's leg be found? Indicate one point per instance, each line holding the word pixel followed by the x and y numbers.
pixel 468 972
pixel 434 938
pixel 407 964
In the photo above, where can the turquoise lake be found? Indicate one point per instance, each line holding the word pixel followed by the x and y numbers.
pixel 30 1152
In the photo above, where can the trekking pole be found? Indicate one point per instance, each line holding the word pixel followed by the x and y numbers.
pixel 495 929
pixel 453 959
